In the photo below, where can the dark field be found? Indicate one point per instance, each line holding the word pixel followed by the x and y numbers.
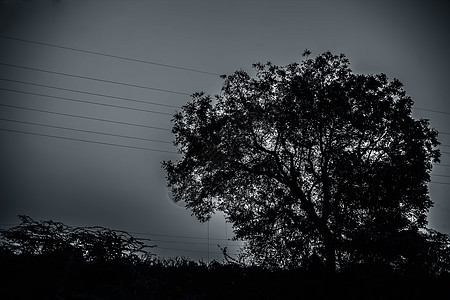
pixel 59 277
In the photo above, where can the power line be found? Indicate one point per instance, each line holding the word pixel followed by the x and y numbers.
pixel 134 60
pixel 440 175
pixel 83 117
pixel 179 242
pixel 431 110
pixel 120 106
pixel 143 233
pixel 176 236
pixel 88 93
pixel 111 55
pixel 441 165
pixel 187 250
pixel 87 131
pixel 121 83
pixel 188 243
pixel 446 183
pixel 156 234
pixel 85 101
pixel 95 79
pixel 86 141
pixel 105 120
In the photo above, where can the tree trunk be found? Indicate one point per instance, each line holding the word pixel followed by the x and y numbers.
pixel 330 255
pixel 321 227
pixel 328 240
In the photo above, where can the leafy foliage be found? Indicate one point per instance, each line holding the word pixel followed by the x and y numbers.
pixel 312 163
pixel 89 243
pixel 48 272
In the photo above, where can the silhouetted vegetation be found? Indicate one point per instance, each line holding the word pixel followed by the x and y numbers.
pixel 39 260
pixel 314 166
pixel 92 244
pixel 321 171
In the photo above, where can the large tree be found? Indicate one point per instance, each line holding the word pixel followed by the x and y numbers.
pixel 309 161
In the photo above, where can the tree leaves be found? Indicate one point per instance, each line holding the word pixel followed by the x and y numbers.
pixel 343 147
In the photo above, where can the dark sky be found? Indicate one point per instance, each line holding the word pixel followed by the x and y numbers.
pixel 82 183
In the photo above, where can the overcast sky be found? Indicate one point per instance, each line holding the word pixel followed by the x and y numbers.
pixel 82 183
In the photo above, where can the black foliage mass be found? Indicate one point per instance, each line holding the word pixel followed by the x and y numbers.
pixel 91 244
pixel 38 260
pixel 312 164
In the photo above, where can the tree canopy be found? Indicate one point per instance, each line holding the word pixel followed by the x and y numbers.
pixel 310 162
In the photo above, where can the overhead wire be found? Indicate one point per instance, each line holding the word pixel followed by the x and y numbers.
pixel 103 120
pixel 83 117
pixel 99 119
pixel 187 243
pixel 109 96
pixel 120 83
pixel 441 165
pixel 431 110
pixel 439 175
pixel 111 55
pixel 94 79
pixel 436 111
pixel 177 236
pixel 85 101
pixel 120 145
pixel 136 60
pixel 148 234
pixel 86 141
pixel 167 241
pixel 126 84
pixel 88 93
pixel 85 131
pixel 111 105
pixel 188 250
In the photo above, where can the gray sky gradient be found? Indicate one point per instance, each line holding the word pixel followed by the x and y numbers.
pixel 82 183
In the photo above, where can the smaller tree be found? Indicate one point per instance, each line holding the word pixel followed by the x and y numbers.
pixel 91 243
pixel 36 237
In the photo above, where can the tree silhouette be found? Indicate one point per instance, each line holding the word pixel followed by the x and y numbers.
pixel 312 163
pixel 56 261
pixel 92 244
